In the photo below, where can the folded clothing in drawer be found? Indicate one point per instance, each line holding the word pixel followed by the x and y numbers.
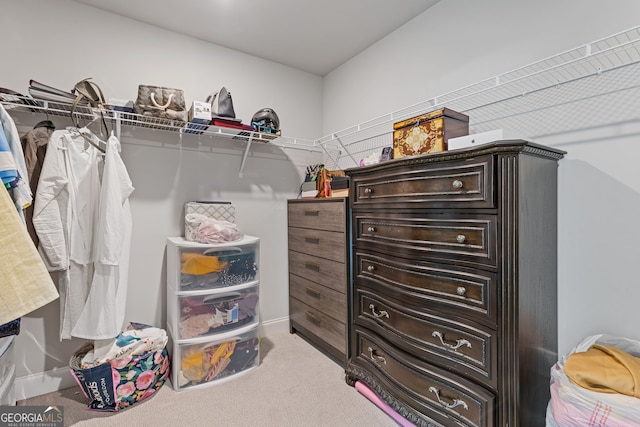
pixel 219 268
pixel 216 312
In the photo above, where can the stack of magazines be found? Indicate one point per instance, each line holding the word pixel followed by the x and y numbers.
pixel 49 93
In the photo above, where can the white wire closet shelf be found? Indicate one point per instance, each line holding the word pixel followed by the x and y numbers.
pixel 86 114
pixel 590 86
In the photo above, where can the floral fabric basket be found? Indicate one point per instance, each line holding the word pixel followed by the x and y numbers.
pixel 122 382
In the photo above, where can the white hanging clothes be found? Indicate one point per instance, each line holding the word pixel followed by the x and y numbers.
pixel 83 221
pixel 103 314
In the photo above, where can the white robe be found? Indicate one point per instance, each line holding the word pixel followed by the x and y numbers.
pixel 103 314
pixel 74 225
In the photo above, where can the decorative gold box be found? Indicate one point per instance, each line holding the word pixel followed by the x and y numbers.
pixel 428 133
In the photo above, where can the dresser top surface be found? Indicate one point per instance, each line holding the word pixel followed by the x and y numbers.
pixel 497 147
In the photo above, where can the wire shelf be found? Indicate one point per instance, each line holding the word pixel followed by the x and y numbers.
pixel 86 114
pixel 590 86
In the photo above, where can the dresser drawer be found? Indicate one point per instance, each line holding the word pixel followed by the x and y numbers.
pixel 466 349
pixel 319 270
pixel 469 239
pixel 327 215
pixel 325 244
pixel 439 395
pixel 454 290
pixel 322 298
pixel 326 328
pixel 457 184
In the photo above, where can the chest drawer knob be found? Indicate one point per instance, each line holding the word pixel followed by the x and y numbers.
pixel 378 314
pixel 461 238
pixel 368 190
pixel 461 290
pixel 455 403
pixel 371 269
pixel 371 229
pixel 459 343
pixel 375 357
pixel 457 184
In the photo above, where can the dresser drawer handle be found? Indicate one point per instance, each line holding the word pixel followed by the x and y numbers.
pixel 368 190
pixel 459 343
pixel 371 229
pixel 371 269
pixel 457 184
pixel 311 213
pixel 375 357
pixel 379 314
pixel 313 318
pixel 456 402
pixel 313 240
pixel 461 238
pixel 314 267
pixel 314 293
pixel 461 290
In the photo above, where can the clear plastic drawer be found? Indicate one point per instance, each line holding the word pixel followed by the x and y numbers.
pixel 214 361
pixel 195 266
pixel 199 314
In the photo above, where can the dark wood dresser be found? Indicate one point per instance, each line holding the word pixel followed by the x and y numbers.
pixel 454 312
pixel 318 273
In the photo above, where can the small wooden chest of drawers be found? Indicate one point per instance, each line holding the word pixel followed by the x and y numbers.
pixel 453 298
pixel 318 273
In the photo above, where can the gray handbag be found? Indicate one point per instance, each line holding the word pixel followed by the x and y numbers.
pixel 160 102
pixel 222 104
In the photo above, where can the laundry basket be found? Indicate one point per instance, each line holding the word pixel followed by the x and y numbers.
pixel 127 379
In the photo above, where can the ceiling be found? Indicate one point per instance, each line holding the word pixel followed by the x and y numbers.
pixel 313 36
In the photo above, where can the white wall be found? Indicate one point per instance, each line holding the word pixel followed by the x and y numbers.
pixel 61 42
pixel 461 42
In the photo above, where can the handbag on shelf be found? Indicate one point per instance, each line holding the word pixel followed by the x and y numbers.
pixel 88 94
pixel 221 104
pixel 160 102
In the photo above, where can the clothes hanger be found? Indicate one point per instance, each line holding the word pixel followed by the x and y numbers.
pixel 88 136
pixel 48 124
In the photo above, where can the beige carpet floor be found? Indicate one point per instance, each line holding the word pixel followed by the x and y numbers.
pixel 294 386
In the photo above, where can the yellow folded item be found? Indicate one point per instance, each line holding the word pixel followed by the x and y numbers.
pixel 207 363
pixel 198 264
pixel 605 369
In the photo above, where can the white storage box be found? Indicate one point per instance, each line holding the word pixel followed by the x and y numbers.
pixel 200 112
pixel 477 139
pixel 206 363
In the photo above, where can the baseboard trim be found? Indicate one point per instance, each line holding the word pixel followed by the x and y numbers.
pixel 60 378
pixel 274 327
pixel 43 383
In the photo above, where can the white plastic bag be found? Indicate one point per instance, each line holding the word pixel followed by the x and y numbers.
pixel 572 405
